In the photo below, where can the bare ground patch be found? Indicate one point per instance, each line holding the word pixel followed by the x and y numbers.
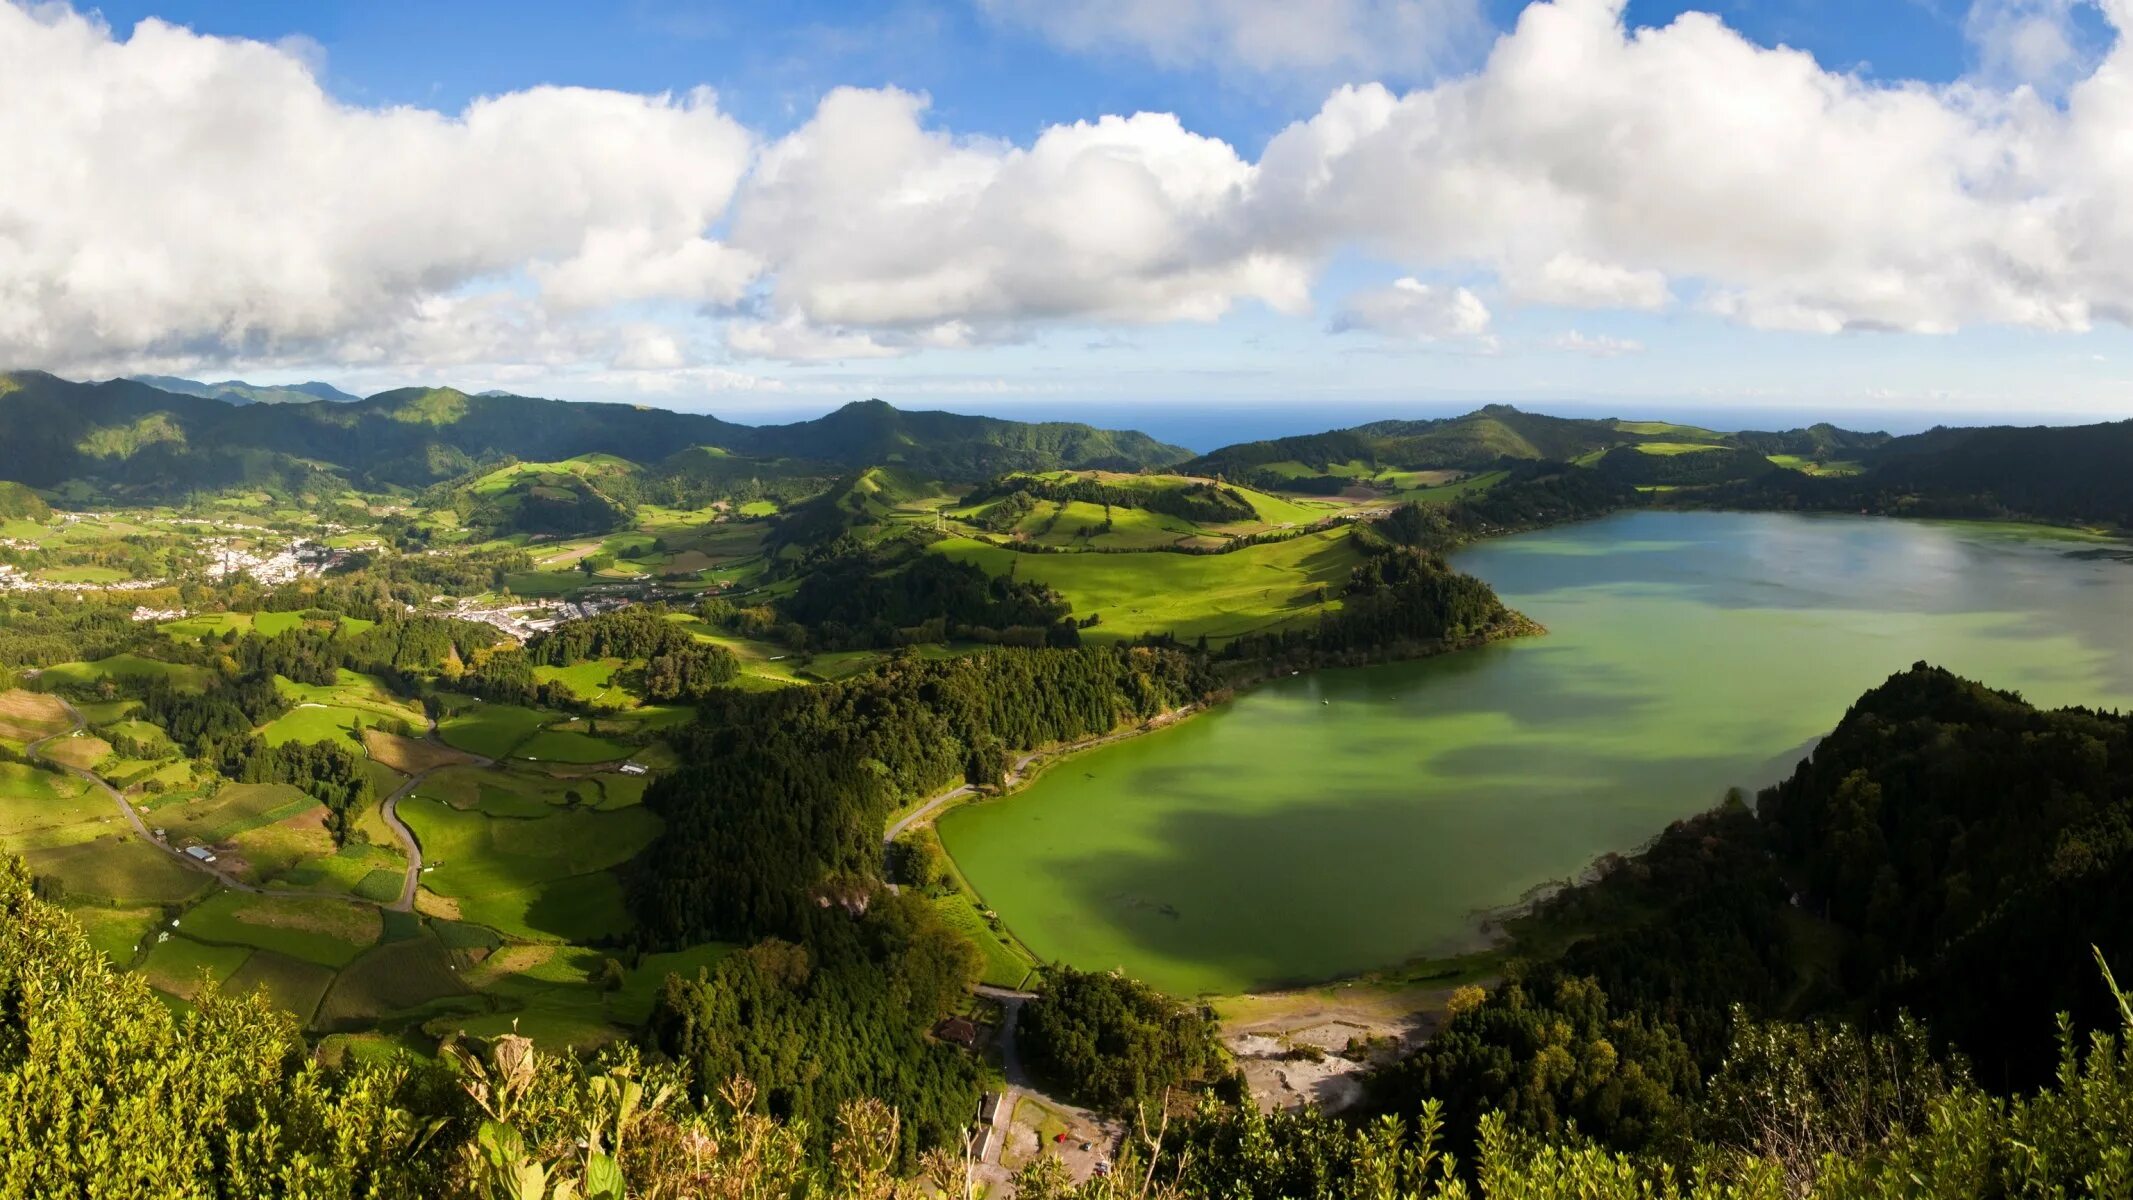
pixel 27 716
pixel 411 756
pixel 1313 1046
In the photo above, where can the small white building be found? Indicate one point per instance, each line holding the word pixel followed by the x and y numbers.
pixel 201 852
pixel 633 768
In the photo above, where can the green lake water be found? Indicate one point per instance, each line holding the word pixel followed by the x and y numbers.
pixel 1330 823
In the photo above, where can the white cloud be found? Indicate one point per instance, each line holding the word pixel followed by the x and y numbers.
pixel 1410 308
pixel 2035 42
pixel 869 219
pixel 1783 194
pixel 172 197
pixel 1595 346
pixel 172 194
pixel 1351 39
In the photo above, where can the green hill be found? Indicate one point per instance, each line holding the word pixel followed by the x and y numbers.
pixel 18 503
pixel 1472 442
pixel 237 391
pixel 127 434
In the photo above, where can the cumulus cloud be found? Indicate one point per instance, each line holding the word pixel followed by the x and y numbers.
pixel 1410 308
pixel 1779 193
pixel 170 196
pixel 2035 42
pixel 873 220
pixel 172 193
pixel 1595 346
pixel 1355 39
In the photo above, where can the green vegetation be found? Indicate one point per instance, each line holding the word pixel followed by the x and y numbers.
pixel 1219 596
pixel 1114 1044
pixel 330 933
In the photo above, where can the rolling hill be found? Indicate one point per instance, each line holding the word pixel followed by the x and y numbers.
pixel 237 391
pixel 126 434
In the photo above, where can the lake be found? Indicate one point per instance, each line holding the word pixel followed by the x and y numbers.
pixel 1330 823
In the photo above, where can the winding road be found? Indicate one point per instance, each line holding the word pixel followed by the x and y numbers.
pixel 390 810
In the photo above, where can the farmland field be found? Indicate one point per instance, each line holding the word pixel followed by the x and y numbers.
pixel 492 730
pixel 1189 595
pixel 539 878
pixel 331 933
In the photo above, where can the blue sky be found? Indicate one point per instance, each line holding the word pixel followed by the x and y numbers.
pixel 1420 306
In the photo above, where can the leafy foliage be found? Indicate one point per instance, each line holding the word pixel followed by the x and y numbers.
pixel 1115 1043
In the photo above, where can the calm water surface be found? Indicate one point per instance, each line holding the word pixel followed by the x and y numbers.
pixel 1334 822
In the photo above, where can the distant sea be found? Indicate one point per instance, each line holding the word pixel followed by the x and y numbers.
pixel 1207 425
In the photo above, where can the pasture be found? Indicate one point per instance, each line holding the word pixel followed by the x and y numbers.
pixel 330 933
pixel 569 746
pixel 178 965
pixel 117 931
pixel 27 716
pixel 129 667
pixel 540 878
pixel 310 723
pixel 1190 595
pixel 492 730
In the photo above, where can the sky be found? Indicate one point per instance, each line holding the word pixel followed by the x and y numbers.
pixel 1260 214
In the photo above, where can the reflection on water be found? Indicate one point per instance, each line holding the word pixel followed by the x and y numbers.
pixel 1326 824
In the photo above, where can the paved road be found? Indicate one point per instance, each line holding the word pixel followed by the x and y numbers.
pixel 406 901
pixel 133 818
pixel 390 810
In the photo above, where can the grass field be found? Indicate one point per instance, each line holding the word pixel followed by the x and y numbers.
pixel 351 689
pixel 127 666
pixel 82 751
pixel 235 808
pixel 331 933
pixel 1216 595
pixel 45 808
pixel 118 867
pixel 1671 449
pixel 1809 466
pixel 541 878
pixel 316 723
pixel 408 756
pixel 593 682
pixel 632 1005
pixel 394 977
pixel 178 964
pixel 1004 963
pixel 568 746
pixel 527 792
pixel 372 871
pixel 116 931
pixel 201 625
pixel 291 983
pixel 27 716
pixel 492 730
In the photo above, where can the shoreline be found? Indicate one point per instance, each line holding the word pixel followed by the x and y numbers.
pixel 926 815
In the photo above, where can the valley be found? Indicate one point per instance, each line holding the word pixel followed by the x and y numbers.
pixel 874 728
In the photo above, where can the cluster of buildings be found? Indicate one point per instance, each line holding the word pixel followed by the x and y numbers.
pixel 229 557
pixel 524 618
pixel 13 579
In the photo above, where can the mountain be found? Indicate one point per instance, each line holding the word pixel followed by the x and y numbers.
pixel 128 434
pixel 236 391
pixel 1475 441
pixel 2078 473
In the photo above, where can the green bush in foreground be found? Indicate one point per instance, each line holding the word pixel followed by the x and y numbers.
pixel 105 1092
